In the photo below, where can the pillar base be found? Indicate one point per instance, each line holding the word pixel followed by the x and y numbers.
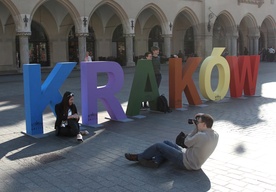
pixel 19 70
pixel 130 64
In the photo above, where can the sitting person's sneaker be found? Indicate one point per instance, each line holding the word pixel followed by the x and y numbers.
pixel 131 157
pixel 148 163
pixel 84 132
pixel 79 138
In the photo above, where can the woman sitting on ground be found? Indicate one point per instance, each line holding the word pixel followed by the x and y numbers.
pixel 67 117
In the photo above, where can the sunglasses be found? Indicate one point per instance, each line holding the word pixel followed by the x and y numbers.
pixel 70 95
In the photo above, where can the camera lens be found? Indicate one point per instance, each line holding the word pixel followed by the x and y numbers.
pixel 190 121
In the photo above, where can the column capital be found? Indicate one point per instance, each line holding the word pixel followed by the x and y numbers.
pixel 129 35
pixel 23 33
pixel 82 34
pixel 254 36
pixel 167 35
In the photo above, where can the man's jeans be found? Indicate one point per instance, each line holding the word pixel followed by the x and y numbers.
pixel 164 151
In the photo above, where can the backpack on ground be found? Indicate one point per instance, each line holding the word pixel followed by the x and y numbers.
pixel 162 104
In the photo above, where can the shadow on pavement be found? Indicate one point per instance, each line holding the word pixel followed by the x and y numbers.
pixel 26 146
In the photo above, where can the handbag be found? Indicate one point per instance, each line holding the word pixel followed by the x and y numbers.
pixel 180 139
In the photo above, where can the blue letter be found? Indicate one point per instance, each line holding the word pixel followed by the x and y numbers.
pixel 37 97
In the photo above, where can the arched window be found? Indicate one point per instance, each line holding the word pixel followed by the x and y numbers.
pixel 240 44
pixel 189 47
pixel 219 38
pixel 90 43
pixel 38 46
pixel 73 44
pixel 156 38
pixel 119 39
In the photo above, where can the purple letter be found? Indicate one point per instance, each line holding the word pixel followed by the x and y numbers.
pixel 90 92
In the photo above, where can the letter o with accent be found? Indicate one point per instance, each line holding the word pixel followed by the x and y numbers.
pixel 223 76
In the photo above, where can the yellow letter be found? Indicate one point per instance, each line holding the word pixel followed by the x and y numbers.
pixel 223 76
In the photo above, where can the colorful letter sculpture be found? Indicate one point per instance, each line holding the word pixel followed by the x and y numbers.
pixel 144 88
pixel 244 73
pixel 37 97
pixel 205 76
pixel 90 92
pixel 243 76
pixel 181 80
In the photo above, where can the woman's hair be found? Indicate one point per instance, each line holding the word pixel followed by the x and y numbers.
pixel 147 54
pixel 65 101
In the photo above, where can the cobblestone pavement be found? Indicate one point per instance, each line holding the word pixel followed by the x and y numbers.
pixel 243 161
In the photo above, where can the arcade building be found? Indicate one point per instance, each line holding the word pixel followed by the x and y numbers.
pixel 51 31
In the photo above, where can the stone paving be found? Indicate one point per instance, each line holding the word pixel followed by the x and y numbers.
pixel 243 161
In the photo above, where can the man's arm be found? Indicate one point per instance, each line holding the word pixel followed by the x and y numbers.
pixel 191 138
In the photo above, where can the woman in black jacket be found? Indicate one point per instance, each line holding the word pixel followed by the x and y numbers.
pixel 67 117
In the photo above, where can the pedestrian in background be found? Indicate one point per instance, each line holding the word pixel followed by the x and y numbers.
pixel 148 56
pixel 156 64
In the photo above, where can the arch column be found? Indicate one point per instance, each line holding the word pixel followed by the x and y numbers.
pixel 82 45
pixel 129 50
pixel 256 45
pixel 234 40
pixel 204 45
pixel 228 43
pixel 251 45
pixel 23 48
pixel 167 44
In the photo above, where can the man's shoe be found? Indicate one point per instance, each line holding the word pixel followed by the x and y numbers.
pixel 148 163
pixel 79 138
pixel 131 157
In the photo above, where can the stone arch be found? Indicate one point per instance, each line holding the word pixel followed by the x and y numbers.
pixel 69 7
pixel 250 22
pixel 191 16
pixel 119 11
pixel 248 30
pixel 49 17
pixel 39 45
pixel 185 28
pixel 158 13
pixel 43 27
pixel 9 21
pixel 223 29
pixel 268 33
pixel 105 18
pixel 13 10
pixel 267 38
pixel 149 17
pixel 227 18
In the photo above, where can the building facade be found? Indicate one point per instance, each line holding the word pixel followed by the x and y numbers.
pixel 51 31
